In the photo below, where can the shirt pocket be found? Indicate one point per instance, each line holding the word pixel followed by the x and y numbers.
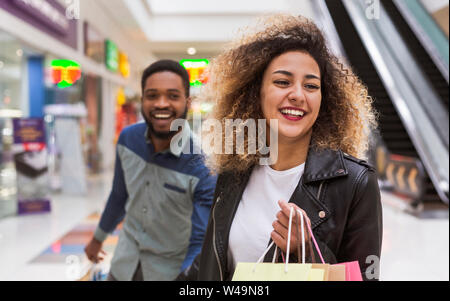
pixel 175 188
pixel 177 195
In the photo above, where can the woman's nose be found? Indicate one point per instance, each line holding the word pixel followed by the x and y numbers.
pixel 297 94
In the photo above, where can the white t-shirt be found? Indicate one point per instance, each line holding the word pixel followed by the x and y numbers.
pixel 252 224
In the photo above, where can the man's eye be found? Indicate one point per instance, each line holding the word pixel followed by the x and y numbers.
pixel 152 96
pixel 174 96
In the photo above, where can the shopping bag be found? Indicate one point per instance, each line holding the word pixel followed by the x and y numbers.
pixel 336 272
pixel 345 271
pixel 352 271
pixel 262 271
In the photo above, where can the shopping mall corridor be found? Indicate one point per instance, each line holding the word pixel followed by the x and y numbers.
pixel 31 248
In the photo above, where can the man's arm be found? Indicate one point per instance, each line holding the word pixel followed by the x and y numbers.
pixel 203 198
pixel 114 211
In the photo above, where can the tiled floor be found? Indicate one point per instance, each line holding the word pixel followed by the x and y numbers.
pixel 413 248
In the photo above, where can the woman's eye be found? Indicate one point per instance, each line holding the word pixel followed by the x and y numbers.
pixel 311 87
pixel 281 82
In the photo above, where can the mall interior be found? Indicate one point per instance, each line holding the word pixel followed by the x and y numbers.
pixel 70 75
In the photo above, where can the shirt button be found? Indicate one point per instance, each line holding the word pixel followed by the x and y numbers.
pixel 144 209
pixel 322 214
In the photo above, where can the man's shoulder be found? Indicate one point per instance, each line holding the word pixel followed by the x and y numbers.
pixel 195 164
pixel 132 131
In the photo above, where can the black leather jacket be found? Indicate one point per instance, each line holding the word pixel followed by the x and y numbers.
pixel 341 197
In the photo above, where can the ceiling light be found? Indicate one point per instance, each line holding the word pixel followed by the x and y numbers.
pixel 191 51
pixel 1 64
pixel 19 52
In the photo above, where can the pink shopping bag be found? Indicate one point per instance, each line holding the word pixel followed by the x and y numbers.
pixel 352 269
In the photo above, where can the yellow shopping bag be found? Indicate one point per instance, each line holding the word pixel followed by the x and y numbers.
pixel 248 271
pixel 263 271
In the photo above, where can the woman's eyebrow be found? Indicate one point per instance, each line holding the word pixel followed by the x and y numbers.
pixel 308 76
pixel 312 76
pixel 284 72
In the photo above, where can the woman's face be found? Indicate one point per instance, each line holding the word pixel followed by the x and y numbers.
pixel 291 93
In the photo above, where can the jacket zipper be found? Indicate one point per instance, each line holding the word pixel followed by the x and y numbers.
pixel 320 190
pixel 214 240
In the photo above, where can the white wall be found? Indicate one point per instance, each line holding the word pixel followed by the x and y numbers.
pixel 434 5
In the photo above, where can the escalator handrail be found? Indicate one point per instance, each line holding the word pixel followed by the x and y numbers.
pixel 327 25
pixel 418 80
pixel 427 43
pixel 427 142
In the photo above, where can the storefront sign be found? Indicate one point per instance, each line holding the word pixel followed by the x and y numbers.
pixel 124 65
pixel 48 16
pixel 197 71
pixel 30 157
pixel 111 55
pixel 46 13
pixel 65 73
pixel 94 44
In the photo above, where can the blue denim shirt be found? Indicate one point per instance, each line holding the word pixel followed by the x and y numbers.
pixel 165 198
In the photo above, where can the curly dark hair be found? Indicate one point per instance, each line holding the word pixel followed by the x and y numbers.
pixel 346 117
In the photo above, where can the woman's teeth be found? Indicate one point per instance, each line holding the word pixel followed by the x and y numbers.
pixel 292 112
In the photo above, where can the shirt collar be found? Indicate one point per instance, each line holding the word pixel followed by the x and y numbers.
pixel 186 132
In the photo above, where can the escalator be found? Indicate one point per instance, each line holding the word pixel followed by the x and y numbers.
pixel 398 98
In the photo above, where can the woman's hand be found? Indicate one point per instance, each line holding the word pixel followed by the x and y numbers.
pixel 280 227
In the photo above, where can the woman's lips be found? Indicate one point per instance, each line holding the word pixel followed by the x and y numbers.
pixel 292 118
pixel 292 114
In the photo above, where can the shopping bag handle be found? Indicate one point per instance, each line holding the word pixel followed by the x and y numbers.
pixel 314 240
pixel 303 238
pixel 289 242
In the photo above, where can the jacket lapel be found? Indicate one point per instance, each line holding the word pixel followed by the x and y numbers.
pixel 320 166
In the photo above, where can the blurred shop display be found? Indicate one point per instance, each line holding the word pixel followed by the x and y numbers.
pixel 198 76
pixel 30 158
pixel 66 158
pixel 12 62
pixel 127 111
pixel 197 69
pixel 92 98
pixel 77 103
pixel 8 176
pixel 94 44
pixel 48 16
pixel 65 73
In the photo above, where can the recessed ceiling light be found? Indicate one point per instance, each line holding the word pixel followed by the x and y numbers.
pixel 19 52
pixel 191 51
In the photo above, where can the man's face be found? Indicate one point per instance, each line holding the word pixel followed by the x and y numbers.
pixel 164 100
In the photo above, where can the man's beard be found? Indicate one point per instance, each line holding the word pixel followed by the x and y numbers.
pixel 160 134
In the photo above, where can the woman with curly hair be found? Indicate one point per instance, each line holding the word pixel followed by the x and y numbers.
pixel 285 72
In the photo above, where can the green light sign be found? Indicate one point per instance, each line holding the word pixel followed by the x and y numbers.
pixel 112 55
pixel 197 71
